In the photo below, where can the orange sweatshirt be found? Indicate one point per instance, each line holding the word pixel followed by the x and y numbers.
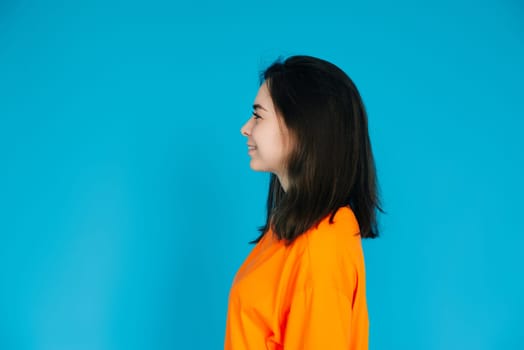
pixel 309 295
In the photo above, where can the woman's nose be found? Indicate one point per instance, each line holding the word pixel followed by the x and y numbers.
pixel 246 128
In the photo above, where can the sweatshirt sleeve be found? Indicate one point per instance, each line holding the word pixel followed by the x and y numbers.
pixel 319 318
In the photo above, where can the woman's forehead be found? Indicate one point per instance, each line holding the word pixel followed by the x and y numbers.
pixel 263 99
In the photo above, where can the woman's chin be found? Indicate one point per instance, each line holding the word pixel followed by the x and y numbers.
pixel 256 166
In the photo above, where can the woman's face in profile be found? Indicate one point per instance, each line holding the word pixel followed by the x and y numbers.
pixel 267 136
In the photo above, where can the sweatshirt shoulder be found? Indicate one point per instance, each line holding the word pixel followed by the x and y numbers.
pixel 332 250
pixel 343 230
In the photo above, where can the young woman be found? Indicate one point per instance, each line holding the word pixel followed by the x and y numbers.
pixel 303 286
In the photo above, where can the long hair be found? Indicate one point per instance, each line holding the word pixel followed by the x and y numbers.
pixel 331 163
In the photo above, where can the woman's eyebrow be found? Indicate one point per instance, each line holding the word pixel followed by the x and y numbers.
pixel 256 106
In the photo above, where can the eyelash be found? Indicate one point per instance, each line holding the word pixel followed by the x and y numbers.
pixel 256 116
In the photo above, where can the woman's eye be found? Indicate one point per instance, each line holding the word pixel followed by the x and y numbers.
pixel 256 116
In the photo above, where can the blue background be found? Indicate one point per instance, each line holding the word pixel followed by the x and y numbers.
pixel 126 198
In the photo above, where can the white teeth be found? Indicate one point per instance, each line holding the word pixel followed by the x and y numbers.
pixel 251 147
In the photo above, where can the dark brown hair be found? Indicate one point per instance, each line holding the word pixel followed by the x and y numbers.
pixel 331 164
